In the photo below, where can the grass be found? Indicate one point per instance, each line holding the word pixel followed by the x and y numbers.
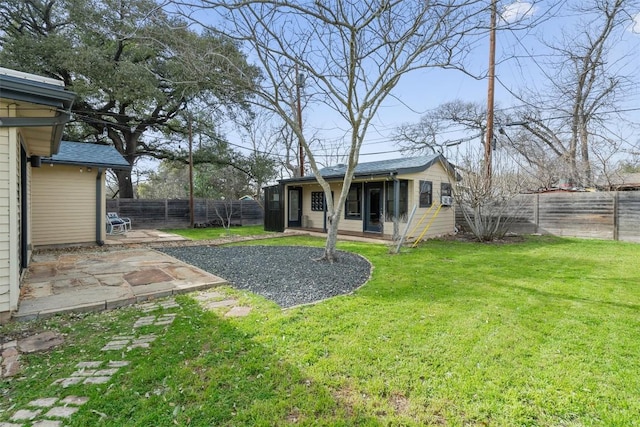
pixel 219 232
pixel 539 333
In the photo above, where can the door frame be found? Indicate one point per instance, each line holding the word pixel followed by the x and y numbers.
pixel 297 221
pixel 369 226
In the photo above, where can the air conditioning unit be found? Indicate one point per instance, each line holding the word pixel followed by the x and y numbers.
pixel 446 201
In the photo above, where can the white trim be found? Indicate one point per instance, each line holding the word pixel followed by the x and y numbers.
pixel 14 267
pixel 32 77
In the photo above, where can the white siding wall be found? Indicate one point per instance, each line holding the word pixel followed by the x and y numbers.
pixel 63 205
pixel 5 260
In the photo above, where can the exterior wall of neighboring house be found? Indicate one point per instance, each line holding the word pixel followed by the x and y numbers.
pixel 10 217
pixel 443 223
pixel 5 215
pixel 64 205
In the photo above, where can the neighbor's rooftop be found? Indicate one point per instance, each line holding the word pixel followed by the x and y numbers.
pixel 87 154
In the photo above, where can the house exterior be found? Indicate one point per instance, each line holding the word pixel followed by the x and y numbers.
pixel 68 194
pixel 33 112
pixel 379 193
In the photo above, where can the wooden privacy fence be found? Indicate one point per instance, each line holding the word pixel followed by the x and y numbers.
pixel 604 215
pixel 174 213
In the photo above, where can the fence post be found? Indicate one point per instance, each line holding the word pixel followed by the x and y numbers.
pixel 616 201
pixel 536 212
pixel 166 210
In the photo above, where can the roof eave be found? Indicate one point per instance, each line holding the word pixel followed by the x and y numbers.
pixel 114 166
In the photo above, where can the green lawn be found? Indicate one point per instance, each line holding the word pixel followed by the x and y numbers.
pixel 219 232
pixel 543 332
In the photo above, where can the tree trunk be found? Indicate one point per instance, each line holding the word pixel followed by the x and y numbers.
pixel 332 239
pixel 125 186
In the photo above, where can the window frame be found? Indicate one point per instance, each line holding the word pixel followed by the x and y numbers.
pixel 425 194
pixel 389 202
pixel 446 189
pixel 358 202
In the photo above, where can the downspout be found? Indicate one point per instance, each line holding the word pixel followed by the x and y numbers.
pixel 99 240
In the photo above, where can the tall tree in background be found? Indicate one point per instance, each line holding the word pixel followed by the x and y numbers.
pixel 133 66
pixel 587 71
pixel 353 54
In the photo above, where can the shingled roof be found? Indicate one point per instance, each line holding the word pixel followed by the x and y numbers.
pixel 400 166
pixel 86 154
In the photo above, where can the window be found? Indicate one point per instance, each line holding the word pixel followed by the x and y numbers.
pixel 445 189
pixel 317 201
pixel 353 205
pixel 426 194
pixel 390 199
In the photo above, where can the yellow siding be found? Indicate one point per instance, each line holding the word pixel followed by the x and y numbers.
pixel 444 222
pixel 4 221
pixel 63 205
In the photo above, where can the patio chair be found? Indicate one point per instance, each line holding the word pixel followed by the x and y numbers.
pixel 117 225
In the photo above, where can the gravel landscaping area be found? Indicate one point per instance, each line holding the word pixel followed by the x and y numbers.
pixel 287 275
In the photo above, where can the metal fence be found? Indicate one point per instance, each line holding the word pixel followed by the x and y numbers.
pixel 602 215
pixel 174 213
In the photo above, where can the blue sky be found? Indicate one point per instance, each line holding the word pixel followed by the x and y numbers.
pixel 423 90
pixel 426 89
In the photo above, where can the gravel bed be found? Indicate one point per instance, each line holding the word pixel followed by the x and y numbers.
pixel 287 275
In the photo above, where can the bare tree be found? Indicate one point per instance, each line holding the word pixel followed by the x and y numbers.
pixel 489 204
pixel 353 53
pixel 585 77
pixel 432 133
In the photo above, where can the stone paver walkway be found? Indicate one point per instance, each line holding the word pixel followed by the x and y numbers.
pixel 52 411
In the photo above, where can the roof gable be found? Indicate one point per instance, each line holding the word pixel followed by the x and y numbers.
pixel 86 154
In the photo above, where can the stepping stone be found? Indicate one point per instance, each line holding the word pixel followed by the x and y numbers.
pixel 96 380
pixel 144 321
pixel 66 382
pixel 105 372
pixel 47 423
pixel 147 338
pixel 45 402
pixel 219 304
pixel 10 362
pixel 238 312
pixel 109 347
pixel 74 400
pixel 9 344
pixel 117 363
pixel 40 342
pixel 61 412
pixel 10 425
pixel 84 373
pixel 25 414
pixel 92 364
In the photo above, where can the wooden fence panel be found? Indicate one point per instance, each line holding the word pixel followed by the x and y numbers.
pixel 628 216
pixel 174 213
pixel 577 214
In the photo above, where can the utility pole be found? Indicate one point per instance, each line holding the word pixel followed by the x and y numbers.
pixel 191 213
pixel 491 91
pixel 299 82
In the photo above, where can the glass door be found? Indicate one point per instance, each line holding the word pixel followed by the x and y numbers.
pixel 294 212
